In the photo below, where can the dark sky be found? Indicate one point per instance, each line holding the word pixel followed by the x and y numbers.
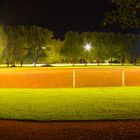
pixel 57 15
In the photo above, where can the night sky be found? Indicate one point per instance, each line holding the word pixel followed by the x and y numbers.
pixel 58 15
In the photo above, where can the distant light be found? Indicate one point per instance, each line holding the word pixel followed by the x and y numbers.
pixel 43 48
pixel 88 47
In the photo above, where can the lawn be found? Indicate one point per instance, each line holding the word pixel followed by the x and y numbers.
pixel 68 66
pixel 70 104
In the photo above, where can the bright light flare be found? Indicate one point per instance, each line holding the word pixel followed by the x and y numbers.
pixel 88 47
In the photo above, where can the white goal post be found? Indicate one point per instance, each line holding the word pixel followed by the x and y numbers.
pixel 123 78
pixel 74 82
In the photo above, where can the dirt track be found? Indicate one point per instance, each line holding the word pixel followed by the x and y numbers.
pixel 102 130
pixel 63 78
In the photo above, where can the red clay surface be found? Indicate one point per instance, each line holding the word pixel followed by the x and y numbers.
pixel 102 130
pixel 132 77
pixel 63 78
pixel 35 78
pixel 98 77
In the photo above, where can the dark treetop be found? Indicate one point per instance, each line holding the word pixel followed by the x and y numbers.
pixel 57 15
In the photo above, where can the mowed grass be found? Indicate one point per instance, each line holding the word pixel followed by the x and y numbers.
pixel 70 104
pixel 114 66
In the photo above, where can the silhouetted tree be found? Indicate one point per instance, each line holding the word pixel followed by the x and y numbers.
pixel 72 48
pixel 38 38
pixel 125 12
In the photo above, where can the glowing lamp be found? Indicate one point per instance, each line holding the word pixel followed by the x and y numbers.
pixel 88 47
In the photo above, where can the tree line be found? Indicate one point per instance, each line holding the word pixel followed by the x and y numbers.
pixel 34 44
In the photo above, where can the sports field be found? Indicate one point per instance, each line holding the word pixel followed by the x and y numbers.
pixel 64 77
pixel 47 94
pixel 118 103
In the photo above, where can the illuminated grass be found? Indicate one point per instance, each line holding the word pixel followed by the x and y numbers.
pixel 5 69
pixel 67 66
pixel 70 104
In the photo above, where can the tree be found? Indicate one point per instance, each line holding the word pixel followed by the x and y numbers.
pixel 38 39
pixel 88 38
pixel 3 40
pixel 110 43
pixel 121 48
pixel 133 48
pixel 99 50
pixel 16 49
pixel 125 12
pixel 72 48
pixel 53 53
pixel 21 44
pixel 8 51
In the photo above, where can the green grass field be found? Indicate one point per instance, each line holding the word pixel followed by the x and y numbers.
pixel 61 66
pixel 70 104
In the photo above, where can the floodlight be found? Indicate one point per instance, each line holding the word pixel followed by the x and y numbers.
pixel 88 47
